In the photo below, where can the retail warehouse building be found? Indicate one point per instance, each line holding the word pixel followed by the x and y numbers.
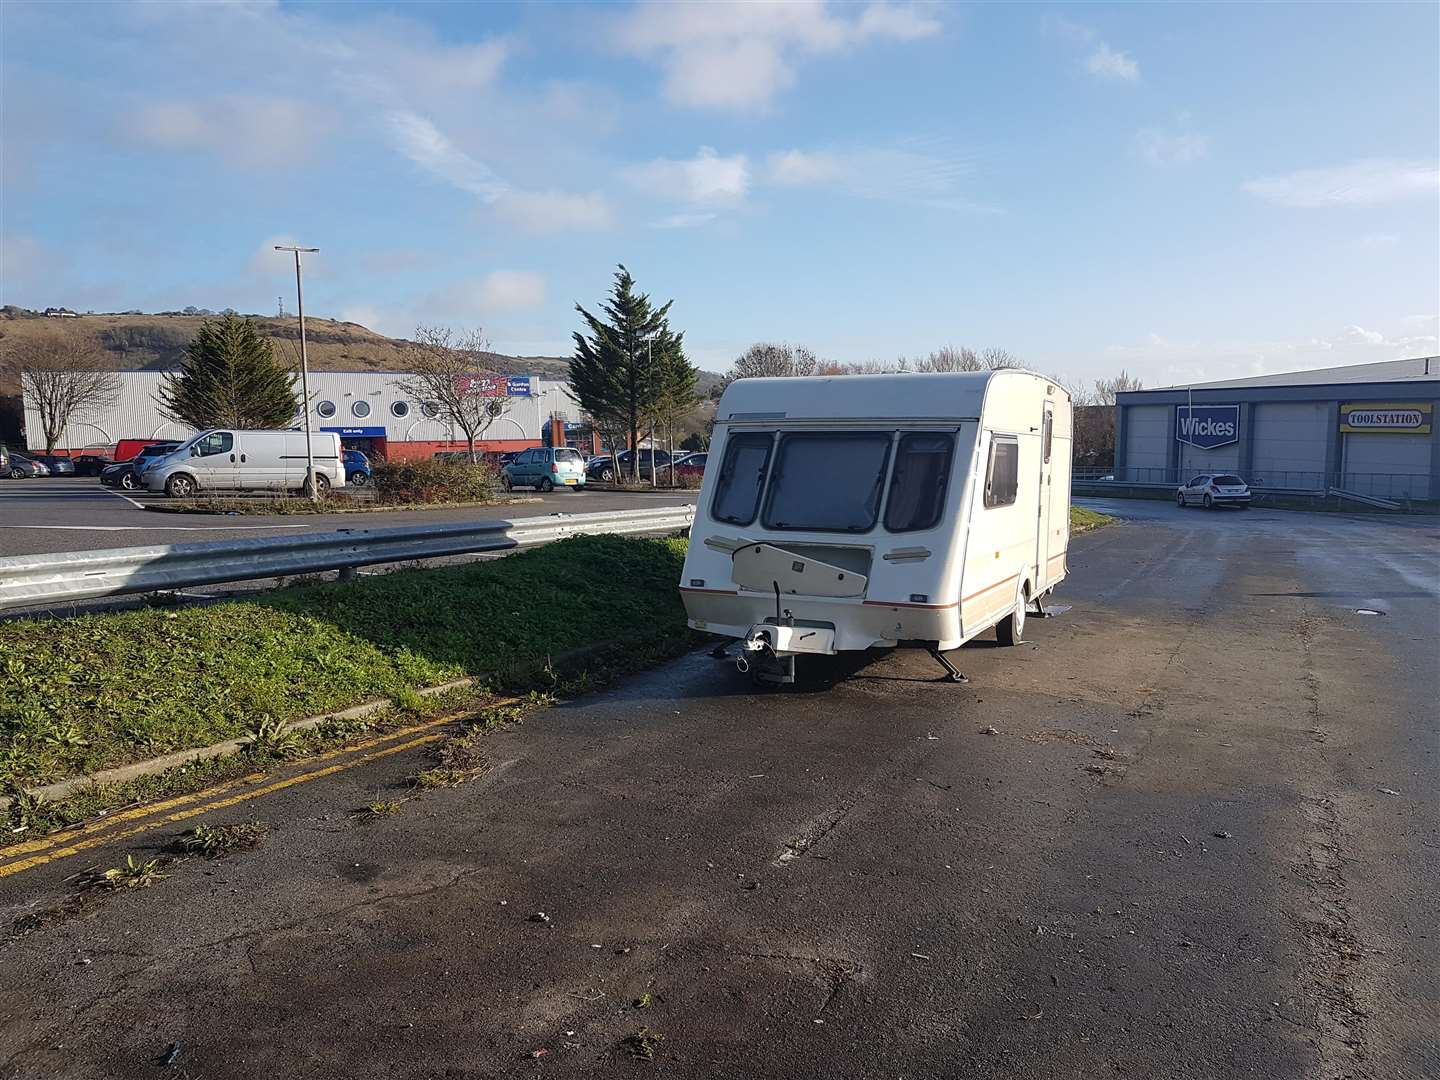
pixel 366 409
pixel 1368 429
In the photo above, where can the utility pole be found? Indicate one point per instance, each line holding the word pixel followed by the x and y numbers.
pixel 304 372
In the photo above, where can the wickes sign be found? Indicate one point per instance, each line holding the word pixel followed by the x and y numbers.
pixel 1207 426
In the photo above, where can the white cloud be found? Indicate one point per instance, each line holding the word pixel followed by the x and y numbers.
pixel 741 55
pixel 427 146
pixel 1101 60
pixel 1163 362
pixel 1370 182
pixel 1107 63
pixel 917 170
pixel 1161 147
pixel 684 221
pixel 243 130
pixel 506 290
pixel 554 211
pixel 707 179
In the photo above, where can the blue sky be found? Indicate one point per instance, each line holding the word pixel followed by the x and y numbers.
pixel 1185 191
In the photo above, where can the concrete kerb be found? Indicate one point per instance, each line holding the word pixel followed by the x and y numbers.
pixel 63 788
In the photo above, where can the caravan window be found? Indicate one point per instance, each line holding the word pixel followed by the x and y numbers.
pixel 1003 474
pixel 1047 433
pixel 829 482
pixel 737 495
pixel 917 488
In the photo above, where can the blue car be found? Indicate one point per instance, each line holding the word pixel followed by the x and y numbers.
pixel 357 468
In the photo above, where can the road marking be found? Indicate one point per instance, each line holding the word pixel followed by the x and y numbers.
pixel 99 832
pixel 132 502
pixel 219 804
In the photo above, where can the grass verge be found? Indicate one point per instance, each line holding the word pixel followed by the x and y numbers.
pixel 86 693
pixel 1082 520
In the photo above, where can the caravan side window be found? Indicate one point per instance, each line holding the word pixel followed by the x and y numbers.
pixel 742 475
pixel 1002 476
pixel 917 487
pixel 1047 433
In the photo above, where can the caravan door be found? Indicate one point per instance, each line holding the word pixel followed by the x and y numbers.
pixel 1042 525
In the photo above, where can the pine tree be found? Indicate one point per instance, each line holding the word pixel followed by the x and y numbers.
pixel 230 378
pixel 617 372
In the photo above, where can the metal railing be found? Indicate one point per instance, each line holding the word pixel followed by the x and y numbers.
pixel 60 577
pixel 1379 485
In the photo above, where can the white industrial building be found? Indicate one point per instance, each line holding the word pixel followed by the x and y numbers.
pixel 1366 428
pixel 366 408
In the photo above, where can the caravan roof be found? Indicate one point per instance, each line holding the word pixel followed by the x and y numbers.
pixel 908 396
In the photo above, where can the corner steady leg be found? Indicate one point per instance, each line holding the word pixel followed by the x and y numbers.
pixel 953 673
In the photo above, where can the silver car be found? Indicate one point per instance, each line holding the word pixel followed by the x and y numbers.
pixel 21 467
pixel 1214 489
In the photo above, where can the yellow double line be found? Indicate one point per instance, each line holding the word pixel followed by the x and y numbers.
pixel 33 853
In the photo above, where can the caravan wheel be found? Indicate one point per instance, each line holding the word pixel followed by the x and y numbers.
pixel 1011 629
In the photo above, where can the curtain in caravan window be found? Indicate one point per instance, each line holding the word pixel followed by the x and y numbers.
pixel 1002 476
pixel 737 495
pixel 917 488
pixel 829 482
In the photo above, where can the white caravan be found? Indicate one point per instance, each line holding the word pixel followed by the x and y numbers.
pixel 879 510
pixel 230 460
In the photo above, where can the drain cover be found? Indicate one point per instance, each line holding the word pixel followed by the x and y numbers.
pixel 1367 611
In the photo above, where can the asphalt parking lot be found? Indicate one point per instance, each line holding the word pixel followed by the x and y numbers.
pixel 1187 830
pixel 79 514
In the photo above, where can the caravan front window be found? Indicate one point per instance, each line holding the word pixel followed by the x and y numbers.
pixel 917 489
pixel 742 475
pixel 828 482
pixel 1002 477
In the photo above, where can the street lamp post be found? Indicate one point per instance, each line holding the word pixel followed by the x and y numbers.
pixel 304 371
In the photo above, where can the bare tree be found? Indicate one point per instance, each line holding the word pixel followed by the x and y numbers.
pixel 764 360
pixel 448 378
pixel 64 375
pixel 1106 389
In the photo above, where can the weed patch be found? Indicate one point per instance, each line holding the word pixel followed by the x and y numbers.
pixel 1082 520
pixel 133 873
pixel 213 841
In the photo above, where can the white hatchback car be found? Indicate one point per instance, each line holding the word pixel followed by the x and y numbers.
pixel 1214 489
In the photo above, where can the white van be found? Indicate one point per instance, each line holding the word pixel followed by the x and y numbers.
pixel 228 460
pixel 879 510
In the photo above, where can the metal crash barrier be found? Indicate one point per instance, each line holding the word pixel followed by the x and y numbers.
pixel 36 580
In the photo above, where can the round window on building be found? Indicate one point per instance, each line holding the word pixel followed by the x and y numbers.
pixel 400 409
pixel 430 409
pixel 326 409
pixel 360 408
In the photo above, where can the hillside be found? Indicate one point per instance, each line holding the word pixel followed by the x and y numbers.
pixel 157 342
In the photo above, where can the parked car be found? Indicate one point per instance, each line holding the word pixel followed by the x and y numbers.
pixel 691 464
pixel 58 466
pixel 604 468
pixel 546 469
pixel 91 464
pixel 241 460
pixel 126 474
pixel 357 468
pixel 1214 489
pixel 23 468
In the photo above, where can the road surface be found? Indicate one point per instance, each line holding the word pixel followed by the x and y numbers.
pixel 1187 830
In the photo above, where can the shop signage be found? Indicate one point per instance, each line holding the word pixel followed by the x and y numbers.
pixel 485 385
pixel 1207 426
pixel 1395 418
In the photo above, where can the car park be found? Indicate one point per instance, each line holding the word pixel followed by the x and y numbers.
pixel 357 468
pixel 21 467
pixel 1212 490
pixel 545 469
pixel 91 464
pixel 605 468
pixel 58 466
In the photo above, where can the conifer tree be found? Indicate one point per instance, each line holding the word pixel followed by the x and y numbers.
pixel 230 378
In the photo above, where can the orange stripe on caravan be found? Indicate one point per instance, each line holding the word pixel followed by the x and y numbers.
pixel 900 603
pixel 989 588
